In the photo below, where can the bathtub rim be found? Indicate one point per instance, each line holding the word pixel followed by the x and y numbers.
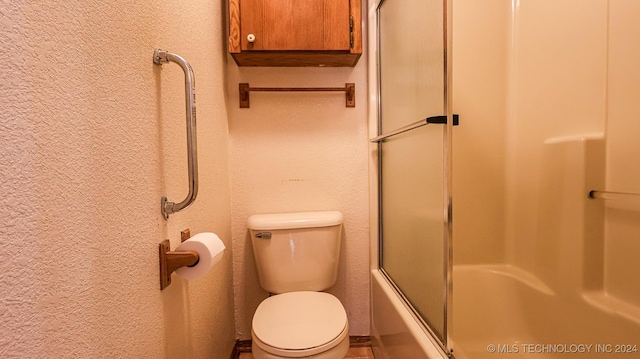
pixel 423 340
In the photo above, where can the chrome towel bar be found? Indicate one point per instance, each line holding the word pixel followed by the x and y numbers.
pixel 160 57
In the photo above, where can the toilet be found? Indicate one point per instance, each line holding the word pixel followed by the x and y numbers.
pixel 296 256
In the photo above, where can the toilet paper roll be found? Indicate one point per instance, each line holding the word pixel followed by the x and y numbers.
pixel 210 249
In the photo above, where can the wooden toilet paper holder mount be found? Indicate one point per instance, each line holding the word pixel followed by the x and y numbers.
pixel 170 261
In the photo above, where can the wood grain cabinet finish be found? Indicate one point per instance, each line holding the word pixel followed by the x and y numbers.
pixel 295 32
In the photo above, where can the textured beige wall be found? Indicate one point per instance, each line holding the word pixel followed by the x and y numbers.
pixel 92 135
pixel 301 152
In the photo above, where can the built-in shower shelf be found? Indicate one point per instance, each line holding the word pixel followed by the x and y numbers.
pixel 612 305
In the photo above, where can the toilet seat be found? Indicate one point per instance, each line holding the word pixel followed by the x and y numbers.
pixel 299 324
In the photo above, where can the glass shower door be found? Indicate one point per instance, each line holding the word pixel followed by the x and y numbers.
pixel 413 164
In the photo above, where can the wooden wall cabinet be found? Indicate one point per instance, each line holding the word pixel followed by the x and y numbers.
pixel 295 32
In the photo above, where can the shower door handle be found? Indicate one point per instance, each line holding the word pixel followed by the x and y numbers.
pixel 441 120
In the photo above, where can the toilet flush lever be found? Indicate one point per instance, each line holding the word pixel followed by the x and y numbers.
pixel 264 235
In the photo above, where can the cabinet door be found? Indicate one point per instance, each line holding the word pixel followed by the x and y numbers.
pixel 295 24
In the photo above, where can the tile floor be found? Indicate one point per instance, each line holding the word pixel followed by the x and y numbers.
pixel 353 353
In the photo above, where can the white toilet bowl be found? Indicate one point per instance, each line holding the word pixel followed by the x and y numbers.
pixel 302 324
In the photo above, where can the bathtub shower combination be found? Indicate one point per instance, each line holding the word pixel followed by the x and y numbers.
pixel 517 233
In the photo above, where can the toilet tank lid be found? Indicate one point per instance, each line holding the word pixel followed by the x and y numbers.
pixel 295 220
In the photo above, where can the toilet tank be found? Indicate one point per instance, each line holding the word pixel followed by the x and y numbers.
pixel 296 251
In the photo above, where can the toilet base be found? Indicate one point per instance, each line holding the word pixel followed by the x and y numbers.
pixel 337 352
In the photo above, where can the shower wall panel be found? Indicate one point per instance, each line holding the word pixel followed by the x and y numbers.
pixel 623 152
pixel 570 125
pixel 557 88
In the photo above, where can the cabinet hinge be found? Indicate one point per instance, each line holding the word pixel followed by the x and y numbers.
pixel 351 31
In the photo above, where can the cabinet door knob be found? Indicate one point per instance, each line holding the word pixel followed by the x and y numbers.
pixel 251 37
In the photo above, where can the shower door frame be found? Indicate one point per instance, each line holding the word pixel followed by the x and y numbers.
pixel 446 346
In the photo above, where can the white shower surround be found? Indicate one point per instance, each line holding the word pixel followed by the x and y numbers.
pixel 544 90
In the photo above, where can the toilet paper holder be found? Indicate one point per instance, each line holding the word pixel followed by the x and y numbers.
pixel 170 261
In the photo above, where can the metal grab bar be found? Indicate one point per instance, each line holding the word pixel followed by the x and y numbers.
pixel 429 120
pixel 160 57
pixel 613 195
